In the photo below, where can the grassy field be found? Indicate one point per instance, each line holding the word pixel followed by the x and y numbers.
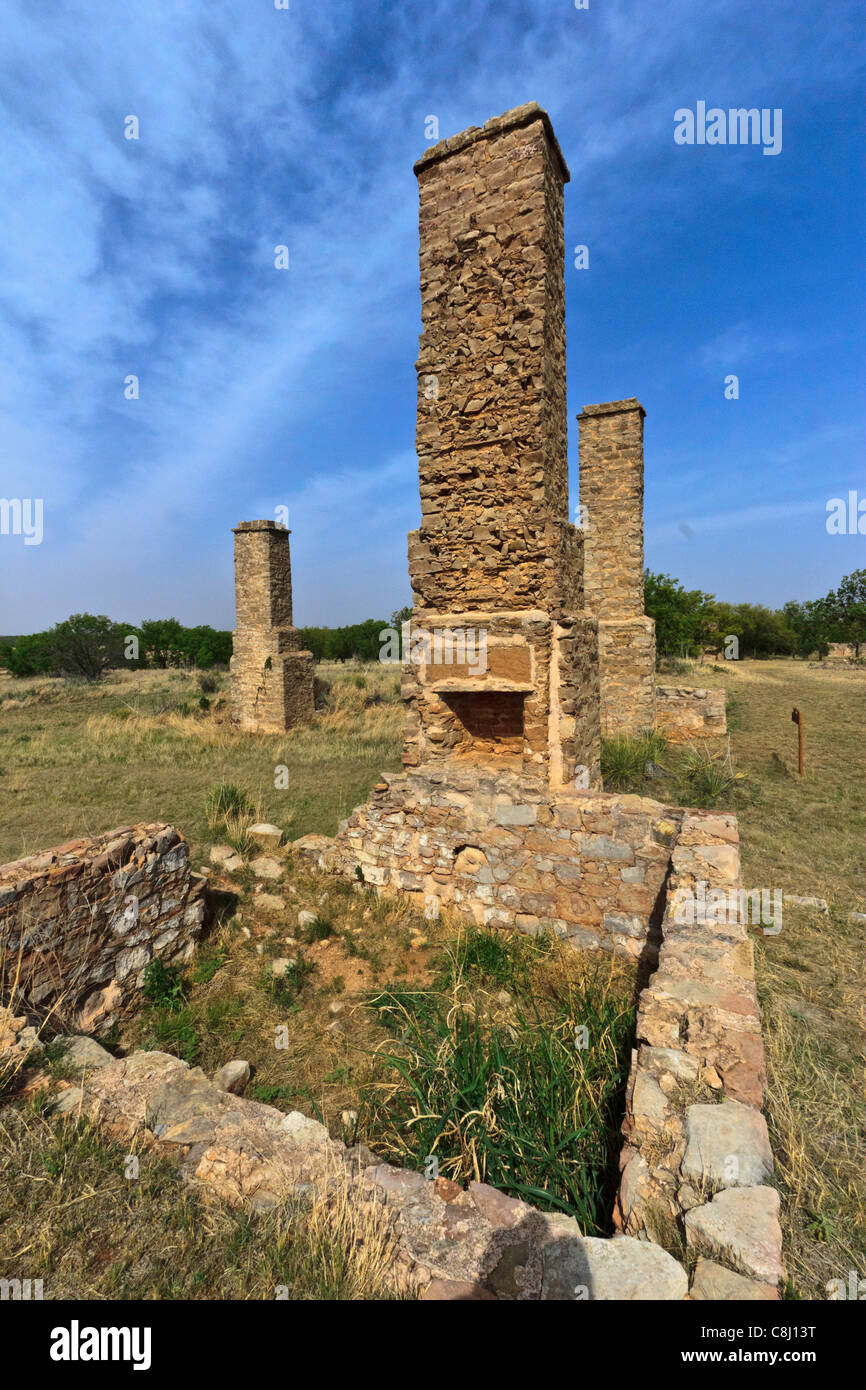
pixel 79 759
pixel 807 836
pixel 76 760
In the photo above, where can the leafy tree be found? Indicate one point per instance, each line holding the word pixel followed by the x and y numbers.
pixel 86 645
pixel 811 624
pixel 30 656
pixel 204 647
pixel 848 604
pixel 359 640
pixel 161 641
pixel 683 617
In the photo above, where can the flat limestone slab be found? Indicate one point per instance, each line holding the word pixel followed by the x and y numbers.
pixel 741 1225
pixel 727 1146
pixel 266 835
pixel 713 1284
pixel 267 867
pixel 620 1268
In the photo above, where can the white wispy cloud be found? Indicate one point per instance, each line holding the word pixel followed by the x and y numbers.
pixel 155 257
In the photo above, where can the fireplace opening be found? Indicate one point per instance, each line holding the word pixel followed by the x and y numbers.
pixel 490 723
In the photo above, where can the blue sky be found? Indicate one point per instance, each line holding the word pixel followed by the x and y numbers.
pixel 262 388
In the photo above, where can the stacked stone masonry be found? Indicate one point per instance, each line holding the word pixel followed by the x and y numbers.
pixel 611 497
pixel 684 714
pixel 496 552
pixel 697 1158
pixel 271 673
pixel 437 1240
pixel 503 849
pixel 617 874
pixel 80 923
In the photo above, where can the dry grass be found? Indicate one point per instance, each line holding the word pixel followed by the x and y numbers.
pixel 71 1217
pixel 807 836
pixel 79 760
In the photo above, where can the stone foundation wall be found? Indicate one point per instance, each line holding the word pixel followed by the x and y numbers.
pixel 696 1161
pixel 80 923
pixel 683 714
pixel 697 1157
pixel 627 660
pixel 590 867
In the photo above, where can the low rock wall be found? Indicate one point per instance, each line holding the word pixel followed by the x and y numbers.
pixel 511 853
pixel 697 1160
pixel 683 713
pixel 80 923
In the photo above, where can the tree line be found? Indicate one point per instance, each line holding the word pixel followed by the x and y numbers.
pixel 689 621
pixel 87 645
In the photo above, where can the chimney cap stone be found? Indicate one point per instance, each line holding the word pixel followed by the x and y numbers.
pixel 510 120
pixel 261 526
pixel 612 408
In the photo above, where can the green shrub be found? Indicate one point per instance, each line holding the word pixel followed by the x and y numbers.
pixel 708 777
pixel 318 930
pixel 164 987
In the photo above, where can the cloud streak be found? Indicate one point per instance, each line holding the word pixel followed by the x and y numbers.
pixel 260 387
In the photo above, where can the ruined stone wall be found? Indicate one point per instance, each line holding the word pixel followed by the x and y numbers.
pixel 499 846
pixel 683 713
pixel 627 660
pixel 80 923
pixel 271 674
pixel 612 492
pixel 697 1153
pixel 612 497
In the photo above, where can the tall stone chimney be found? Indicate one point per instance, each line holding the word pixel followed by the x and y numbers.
pixel 271 674
pixel 611 499
pixel 495 553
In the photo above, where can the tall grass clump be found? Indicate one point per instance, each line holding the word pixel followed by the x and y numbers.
pixel 624 760
pixel 232 810
pixel 226 799
pixel 708 777
pixel 521 1099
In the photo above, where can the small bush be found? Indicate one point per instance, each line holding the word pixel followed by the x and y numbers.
pixel 624 760
pixel 286 988
pixel 207 965
pixel 621 763
pixel 708 776
pixel 164 987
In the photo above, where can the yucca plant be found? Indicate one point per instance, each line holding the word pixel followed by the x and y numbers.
pixel 224 800
pixel 709 776
pixel 622 763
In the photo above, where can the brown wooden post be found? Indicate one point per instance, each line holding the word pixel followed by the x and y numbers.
pixel 798 720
